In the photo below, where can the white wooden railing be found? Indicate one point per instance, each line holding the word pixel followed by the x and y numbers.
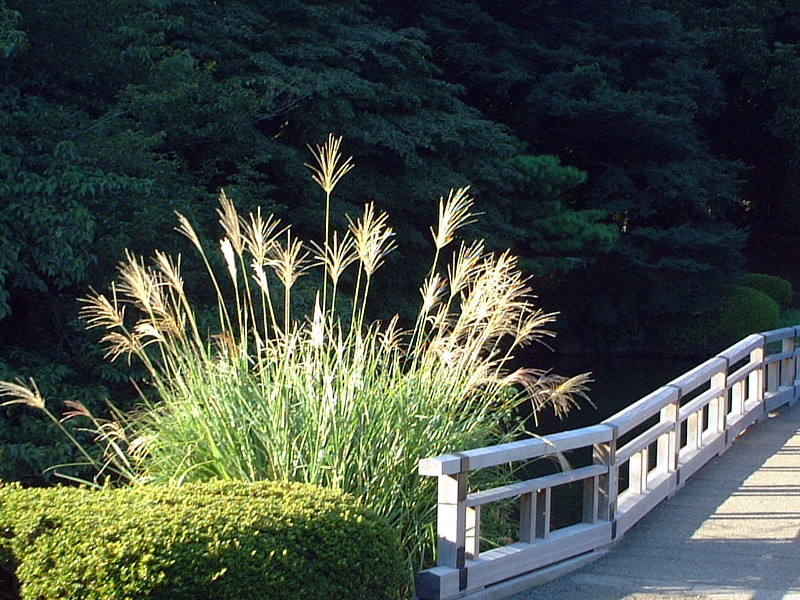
pixel 640 456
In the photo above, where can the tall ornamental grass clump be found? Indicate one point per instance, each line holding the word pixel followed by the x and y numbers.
pixel 328 398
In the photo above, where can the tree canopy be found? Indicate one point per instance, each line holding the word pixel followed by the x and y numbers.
pixel 621 150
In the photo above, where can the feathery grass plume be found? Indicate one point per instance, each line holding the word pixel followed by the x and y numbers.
pixel 114 462
pixel 454 213
pixel 373 238
pixel 348 404
pixel 464 266
pixel 373 241
pixel 335 257
pixel 259 235
pixel 327 170
pixel 231 224
pixel 22 394
pixel 289 263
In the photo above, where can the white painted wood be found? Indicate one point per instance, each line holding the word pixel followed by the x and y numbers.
pixel 527 517
pixel 643 440
pixel 501 563
pixel 671 440
pixel 692 431
pixel 637 472
pixel 638 412
pixel 756 378
pixel 590 499
pixel 632 507
pixel 718 408
pixel 697 404
pixel 743 348
pixel 786 372
pixel 782 396
pixel 447 464
pixel 742 373
pixel 691 380
pixel 605 455
pixel 692 459
pixel 531 485
pixel 472 541
pixel 525 582
pixel 451 520
pixel 492 456
pixel 779 335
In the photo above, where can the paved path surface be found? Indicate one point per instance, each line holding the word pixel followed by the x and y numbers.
pixel 732 532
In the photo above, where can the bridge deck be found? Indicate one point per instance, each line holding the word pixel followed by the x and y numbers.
pixel 732 532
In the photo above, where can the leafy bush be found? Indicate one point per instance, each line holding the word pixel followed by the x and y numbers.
pixel 775 287
pixel 214 540
pixel 747 311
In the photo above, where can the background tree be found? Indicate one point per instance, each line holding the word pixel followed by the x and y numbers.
pixel 619 91
pixel 755 48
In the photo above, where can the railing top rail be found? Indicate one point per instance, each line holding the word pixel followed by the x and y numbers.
pixel 490 456
pixel 777 335
pixel 641 410
pixel 700 374
pixel 743 348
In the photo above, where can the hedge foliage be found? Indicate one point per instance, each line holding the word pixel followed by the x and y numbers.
pixel 747 311
pixel 775 287
pixel 214 540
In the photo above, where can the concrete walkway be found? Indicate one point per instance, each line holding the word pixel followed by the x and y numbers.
pixel 732 532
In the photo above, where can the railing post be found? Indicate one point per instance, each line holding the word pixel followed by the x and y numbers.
pixel 672 413
pixel 718 408
pixel 738 396
pixel 590 497
pixel 473 532
pixel 608 484
pixel 637 471
pixel 542 512
pixel 795 366
pixel 527 517
pixel 755 380
pixel 452 520
pixel 787 369
pixel 667 449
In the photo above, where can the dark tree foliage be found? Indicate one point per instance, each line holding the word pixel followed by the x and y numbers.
pixel 755 48
pixel 116 113
pixel 621 91
pixel 621 149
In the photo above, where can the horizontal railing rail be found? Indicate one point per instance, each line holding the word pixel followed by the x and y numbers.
pixel 639 457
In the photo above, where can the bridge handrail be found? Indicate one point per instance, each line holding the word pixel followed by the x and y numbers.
pixel 640 456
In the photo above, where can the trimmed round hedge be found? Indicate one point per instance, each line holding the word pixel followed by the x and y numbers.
pixel 207 541
pixel 775 287
pixel 747 311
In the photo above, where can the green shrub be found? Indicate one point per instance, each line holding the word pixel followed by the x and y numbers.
pixel 744 310
pixel 777 288
pixel 789 317
pixel 215 540
pixel 747 311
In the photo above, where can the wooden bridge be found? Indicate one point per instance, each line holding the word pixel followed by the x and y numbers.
pixel 627 466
